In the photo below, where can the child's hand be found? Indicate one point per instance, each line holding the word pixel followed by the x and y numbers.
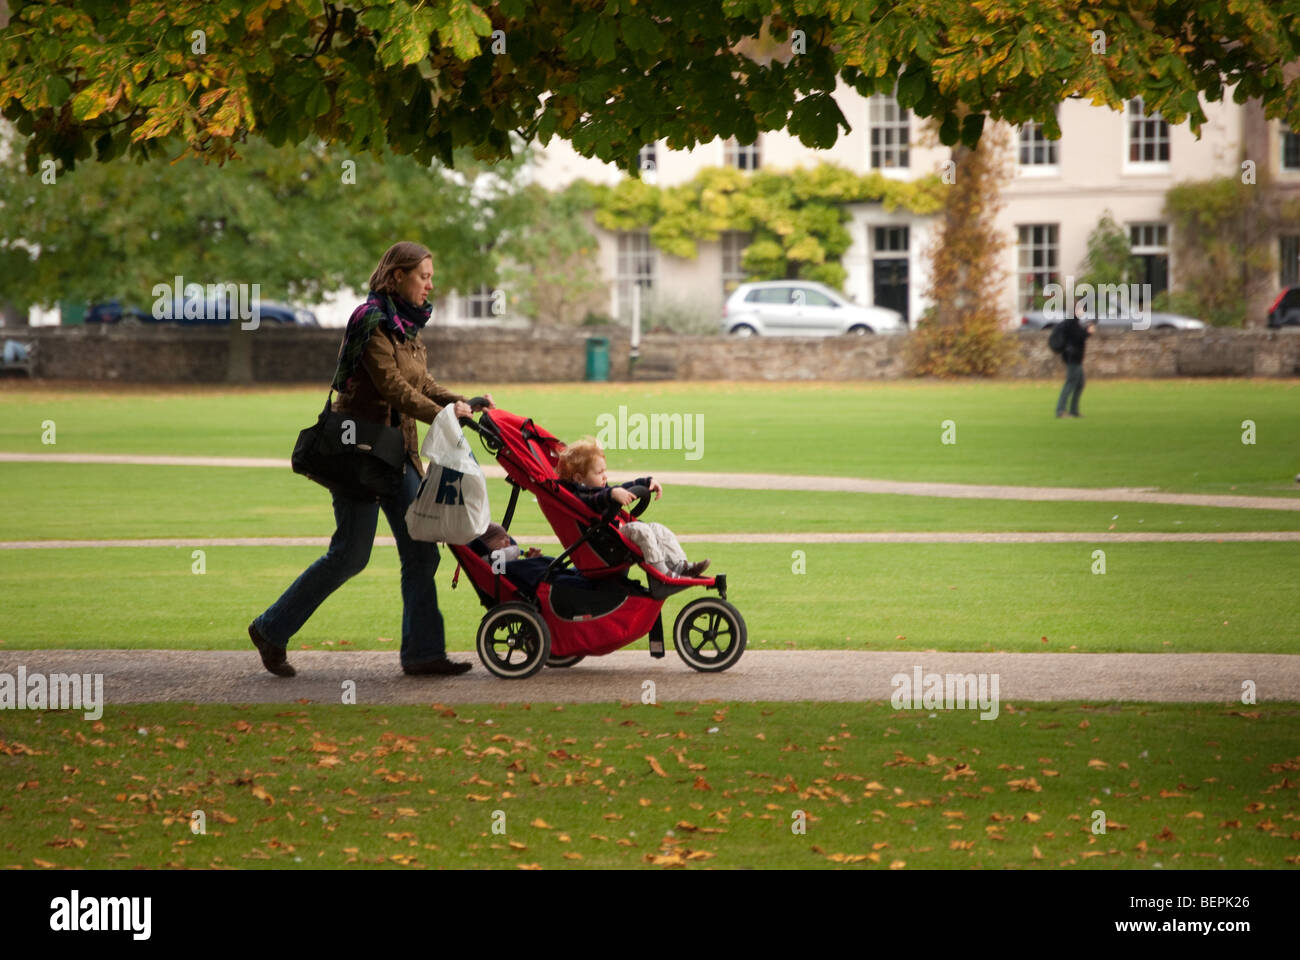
pixel 656 488
pixel 533 552
pixel 622 496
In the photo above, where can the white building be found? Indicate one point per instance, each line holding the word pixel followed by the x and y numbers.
pixel 1105 160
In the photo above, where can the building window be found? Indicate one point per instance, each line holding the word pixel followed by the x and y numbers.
pixel 1290 150
pixel 636 268
pixel 1289 274
pixel 1148 135
pixel 1150 245
pixel 1035 149
pixel 734 243
pixel 889 240
pixel 1039 258
pixel 482 304
pixel 742 156
pixel 890 133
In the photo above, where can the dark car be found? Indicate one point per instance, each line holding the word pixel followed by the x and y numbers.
pixel 112 311
pixel 1285 311
pixel 269 311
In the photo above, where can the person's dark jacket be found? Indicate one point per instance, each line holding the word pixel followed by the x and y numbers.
pixel 1076 340
pixel 599 498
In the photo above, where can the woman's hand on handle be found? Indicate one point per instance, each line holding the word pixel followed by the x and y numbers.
pixel 463 410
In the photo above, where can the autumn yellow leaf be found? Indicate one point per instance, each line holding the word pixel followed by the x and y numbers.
pixel 540 824
pixel 654 765
pixel 260 792
pixel 898 865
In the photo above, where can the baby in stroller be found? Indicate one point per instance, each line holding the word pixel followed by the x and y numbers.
pixel 581 470
pixel 527 568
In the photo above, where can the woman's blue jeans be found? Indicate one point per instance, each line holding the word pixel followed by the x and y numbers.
pixel 348 553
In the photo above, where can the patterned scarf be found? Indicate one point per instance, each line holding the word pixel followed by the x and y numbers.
pixel 394 313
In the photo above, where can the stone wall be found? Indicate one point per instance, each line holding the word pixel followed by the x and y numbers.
pixel 299 356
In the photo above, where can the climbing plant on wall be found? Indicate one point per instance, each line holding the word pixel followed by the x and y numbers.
pixel 796 218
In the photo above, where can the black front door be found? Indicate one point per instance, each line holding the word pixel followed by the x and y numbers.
pixel 890 284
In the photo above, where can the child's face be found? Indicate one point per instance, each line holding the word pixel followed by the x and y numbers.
pixel 596 476
pixel 497 540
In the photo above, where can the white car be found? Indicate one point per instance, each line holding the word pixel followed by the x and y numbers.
pixel 800 308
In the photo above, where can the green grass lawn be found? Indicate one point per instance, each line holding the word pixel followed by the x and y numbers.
pixel 678 785
pixel 62 501
pixel 1153 597
pixel 1179 435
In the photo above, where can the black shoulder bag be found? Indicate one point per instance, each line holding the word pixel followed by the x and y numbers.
pixel 356 458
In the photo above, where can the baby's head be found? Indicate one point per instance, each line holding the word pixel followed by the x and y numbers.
pixel 495 537
pixel 584 462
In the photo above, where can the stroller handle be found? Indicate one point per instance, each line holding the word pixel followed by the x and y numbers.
pixel 641 492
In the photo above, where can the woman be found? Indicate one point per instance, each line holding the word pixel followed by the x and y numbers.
pixel 382 366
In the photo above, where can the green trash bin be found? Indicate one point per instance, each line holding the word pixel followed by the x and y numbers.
pixel 72 313
pixel 598 358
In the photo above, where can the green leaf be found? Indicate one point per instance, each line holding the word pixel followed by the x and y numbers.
pixel 640 33
pixel 949 130
pixel 57 90
pixel 972 125
pixel 318 102
pixel 602 41
pixel 910 86
pixel 816 121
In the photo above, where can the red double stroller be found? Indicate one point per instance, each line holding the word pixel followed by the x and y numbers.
pixel 584 604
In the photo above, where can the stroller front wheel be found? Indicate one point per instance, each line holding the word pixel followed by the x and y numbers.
pixel 709 634
pixel 513 641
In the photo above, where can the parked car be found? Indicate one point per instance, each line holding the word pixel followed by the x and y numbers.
pixel 269 311
pixel 799 308
pixel 1285 311
pixel 112 311
pixel 1118 320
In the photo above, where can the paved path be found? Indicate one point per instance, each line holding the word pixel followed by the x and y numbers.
pixel 1262 536
pixel 136 676
pixel 766 481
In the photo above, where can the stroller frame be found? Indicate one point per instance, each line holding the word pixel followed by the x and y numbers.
pixel 564 618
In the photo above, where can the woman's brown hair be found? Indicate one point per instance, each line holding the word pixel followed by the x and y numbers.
pixel 404 255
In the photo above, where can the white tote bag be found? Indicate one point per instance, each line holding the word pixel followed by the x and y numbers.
pixel 452 503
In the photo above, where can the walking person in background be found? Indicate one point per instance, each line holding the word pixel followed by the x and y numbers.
pixel 1076 340
pixel 382 366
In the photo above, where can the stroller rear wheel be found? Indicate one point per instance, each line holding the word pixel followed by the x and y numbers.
pixel 568 661
pixel 709 634
pixel 513 641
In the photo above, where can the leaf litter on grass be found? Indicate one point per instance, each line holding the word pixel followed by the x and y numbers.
pixel 594 787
